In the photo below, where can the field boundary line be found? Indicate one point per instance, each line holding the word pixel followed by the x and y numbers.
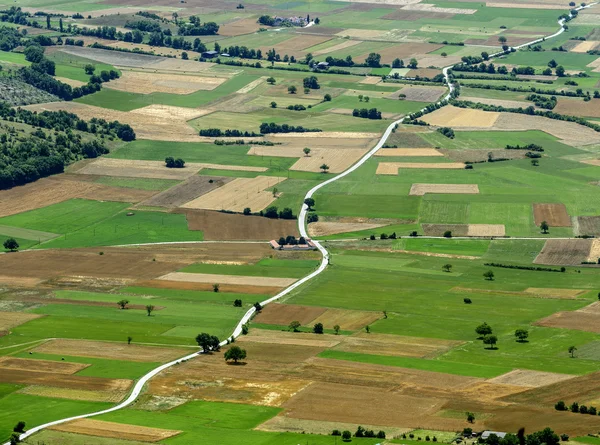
pixel 140 384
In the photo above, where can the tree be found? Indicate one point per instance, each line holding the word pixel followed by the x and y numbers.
pixel 552 64
pixel 318 328
pixel 34 53
pixel 413 63
pixel 208 342
pixel 271 80
pixel 470 417
pixel 522 335
pixel 273 104
pixel 14 439
pixel 19 427
pixel 544 227
pixel 311 82
pixel 489 275
pixel 257 306
pixel 327 98
pixel 292 89
pixel 60 25
pixel 294 325
pixel 11 244
pixel 324 168
pixel 572 350
pixel 560 71
pixel 490 340
pixel 397 63
pixel 306 151
pixel 336 328
pixel 447 267
pixel 373 60
pixel 275 191
pixel 184 55
pixel 483 329
pixel 502 39
pixel 535 162
pixel 444 54
pixel 574 407
pixel 310 203
pixel 485 55
pixel 216 287
pixel 149 309
pixel 560 406
pixel 247 211
pixel 346 436
pixel 129 339
pixel 123 303
pixel 237 303
pixel 448 234
pixel 235 353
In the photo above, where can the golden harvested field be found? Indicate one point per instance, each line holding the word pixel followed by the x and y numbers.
pixel 594 162
pixel 101 428
pixel 228 279
pixel 290 338
pixel 594 254
pixel 422 94
pixel 347 319
pixel 498 102
pixel 238 194
pixel 239 27
pixel 339 47
pixel 395 345
pixel 570 132
pixel 593 308
pixel 147 83
pixel 252 85
pixel 280 150
pixel 528 378
pixel 74 394
pixel 586 46
pixel 486 230
pixel 297 45
pixel 338 160
pixel 111 350
pixel 564 252
pixel 170 112
pixel 575 107
pixel 324 228
pixel 554 214
pixel 190 189
pixel 422 189
pixel 164 125
pixel 555 293
pixel 391 168
pixel 9 320
pixel 284 314
pixel 137 169
pixel 71 82
pixel 371 80
pixel 450 116
pixel 230 226
pixel 41 365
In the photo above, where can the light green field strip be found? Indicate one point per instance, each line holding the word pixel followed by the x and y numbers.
pixel 29 234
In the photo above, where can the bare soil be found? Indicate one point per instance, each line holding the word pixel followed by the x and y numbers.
pixel 74 394
pixel 422 189
pixel 587 225
pixel 338 160
pixel 528 378
pixel 554 214
pixel 577 107
pixel 9 320
pixel 147 83
pixel 422 94
pixel 183 285
pixel 580 321
pixel 284 314
pixel 450 116
pixel 228 279
pixel 401 152
pixel 347 319
pixel 101 428
pixel 66 368
pixel 25 377
pixel 440 229
pixel 564 252
pixel 481 155
pixel 291 338
pixel 190 189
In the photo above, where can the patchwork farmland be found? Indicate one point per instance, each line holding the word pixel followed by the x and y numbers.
pixel 372 222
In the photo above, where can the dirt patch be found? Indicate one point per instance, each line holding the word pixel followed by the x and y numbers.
pixel 190 189
pixel 338 160
pixel 555 293
pixel 569 132
pixel 554 214
pixel 347 320
pixel 41 365
pixel 291 338
pixel 238 194
pixel 239 27
pixel 100 428
pixel 24 377
pixel 324 228
pixel 183 285
pixel 575 107
pixel 228 279
pixel 450 116
pixel 283 423
pixel 579 321
pixel 71 82
pixel 169 112
pixel 338 47
pixel 284 314
pixel 564 252
pixel 421 94
pixel 428 72
pixel 440 229
pixel 391 168
pixel 111 350
pixel 74 394
pixel 528 378
pixel 395 345
pixel 422 189
pixel 486 230
pixel 9 320
pixel 229 226
pixel 401 152
pixel 147 83
pixel 587 225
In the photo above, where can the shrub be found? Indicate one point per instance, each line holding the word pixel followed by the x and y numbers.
pixel 448 234
pixel 467 300
pixel 336 433
pixel 318 328
pixel 560 406
pixel 247 211
pixel 346 435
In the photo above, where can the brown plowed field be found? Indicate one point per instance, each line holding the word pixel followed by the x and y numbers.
pixel 284 314
pixel 580 388
pixel 291 338
pixel 239 27
pixel 55 367
pixel 402 51
pixel 587 225
pixel 478 155
pixel 531 379
pixel 9 320
pixel 74 394
pixel 554 214
pixel 347 319
pixel 24 377
pixel 324 228
pixel 100 428
pixel 338 160
pixel 580 108
pixel 408 152
pixel 450 116
pixel 111 350
pixel 580 321
pixel 564 252
pixel 188 190
pixel 440 229
pixel 182 285
pixel 229 226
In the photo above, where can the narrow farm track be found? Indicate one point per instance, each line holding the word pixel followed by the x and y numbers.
pixel 139 386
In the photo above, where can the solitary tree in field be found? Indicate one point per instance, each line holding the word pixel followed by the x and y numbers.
pixel 324 168
pixel 123 303
pixel 235 353
pixel 483 329
pixel 366 98
pixel 149 309
pixel 447 267
pixel 129 339
pixel 327 98
pixel 271 80
pixel 444 54
pixel 535 162
pixel 237 303
pixel 216 287
pixel 292 89
pixel 306 151
pixel 544 227
pixel 360 97
pixel 572 350
pixel 336 328
pixel 294 325
pixel 522 335
pixel 489 275
pixel 273 104
pixel 470 417
pixel 318 328
pixel 310 203
pixel 490 340
pixel 275 191
pixel 502 39
pixel 11 244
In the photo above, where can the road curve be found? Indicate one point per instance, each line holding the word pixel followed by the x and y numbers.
pixel 139 386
